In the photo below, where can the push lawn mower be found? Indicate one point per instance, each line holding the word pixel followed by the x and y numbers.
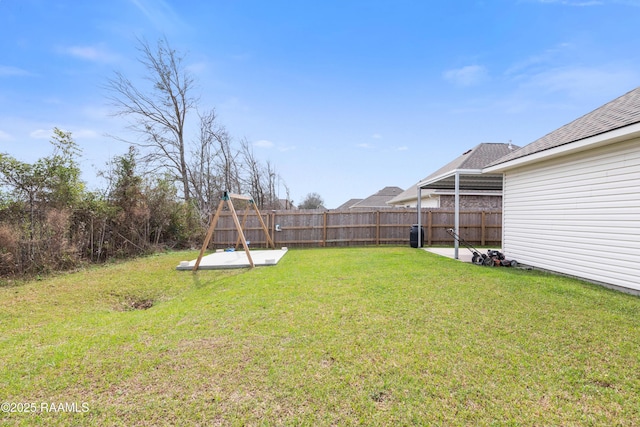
pixel 491 258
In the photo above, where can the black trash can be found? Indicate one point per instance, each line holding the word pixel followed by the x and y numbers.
pixel 413 236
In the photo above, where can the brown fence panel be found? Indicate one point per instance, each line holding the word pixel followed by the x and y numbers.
pixel 395 226
pixel 492 223
pixel 312 228
pixel 440 222
pixel 349 228
pixel 225 234
pixel 298 228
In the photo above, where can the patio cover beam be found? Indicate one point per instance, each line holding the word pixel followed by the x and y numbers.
pixel 457 180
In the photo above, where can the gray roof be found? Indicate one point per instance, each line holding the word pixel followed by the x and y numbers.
pixel 408 195
pixel 379 199
pixel 475 159
pixel 348 204
pixel 620 112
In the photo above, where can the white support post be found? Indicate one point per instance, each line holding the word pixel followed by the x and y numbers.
pixel 457 213
pixel 419 216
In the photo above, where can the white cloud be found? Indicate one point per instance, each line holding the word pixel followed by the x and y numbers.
pixel 580 81
pixel 285 148
pixel 85 133
pixel 538 60
pixel 365 145
pixel 403 148
pixel 263 143
pixel 233 104
pixel 4 136
pixel 579 3
pixel 96 112
pixel 470 75
pixel 589 3
pixel 376 136
pixel 197 67
pixel 89 53
pixel 41 134
pixel 8 71
pixel 563 87
pixel 160 14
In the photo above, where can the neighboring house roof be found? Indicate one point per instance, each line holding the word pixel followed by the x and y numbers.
pixel 470 163
pixel 379 199
pixel 408 195
pixel 620 112
pixel 348 204
pixel 286 204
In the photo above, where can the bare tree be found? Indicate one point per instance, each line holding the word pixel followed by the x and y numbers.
pixel 262 181
pixel 228 166
pixel 288 204
pixel 214 167
pixel 253 173
pixel 271 195
pixel 158 112
pixel 201 177
pixel 205 164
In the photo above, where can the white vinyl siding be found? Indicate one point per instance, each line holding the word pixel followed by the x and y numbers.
pixel 578 214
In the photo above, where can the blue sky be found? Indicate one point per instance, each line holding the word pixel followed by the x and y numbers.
pixel 345 97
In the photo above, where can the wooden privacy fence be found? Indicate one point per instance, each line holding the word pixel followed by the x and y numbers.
pixel 312 228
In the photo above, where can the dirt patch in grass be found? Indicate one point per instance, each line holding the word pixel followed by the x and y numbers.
pixel 130 302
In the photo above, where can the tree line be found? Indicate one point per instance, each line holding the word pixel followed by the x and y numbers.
pixel 160 193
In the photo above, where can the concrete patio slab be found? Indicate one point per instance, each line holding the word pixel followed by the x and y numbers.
pixel 463 253
pixel 235 259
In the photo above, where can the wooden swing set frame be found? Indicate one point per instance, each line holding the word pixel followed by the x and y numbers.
pixel 228 199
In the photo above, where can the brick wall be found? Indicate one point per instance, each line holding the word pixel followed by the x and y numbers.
pixel 472 202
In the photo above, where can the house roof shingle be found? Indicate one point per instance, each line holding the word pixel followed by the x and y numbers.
pixel 408 195
pixel 620 112
pixel 348 204
pixel 379 199
pixel 475 159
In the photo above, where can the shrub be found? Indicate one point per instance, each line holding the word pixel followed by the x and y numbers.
pixel 9 249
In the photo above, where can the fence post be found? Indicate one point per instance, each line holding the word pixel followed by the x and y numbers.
pixel 482 230
pixel 377 228
pixel 324 229
pixel 429 228
pixel 272 222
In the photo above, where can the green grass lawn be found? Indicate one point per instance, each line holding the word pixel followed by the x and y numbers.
pixel 356 336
